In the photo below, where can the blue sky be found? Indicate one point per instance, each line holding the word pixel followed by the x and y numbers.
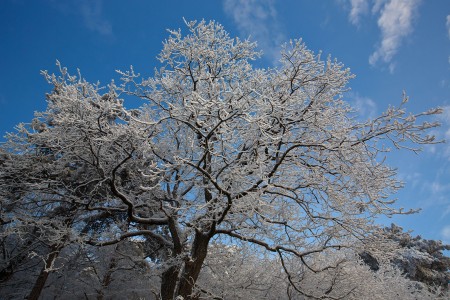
pixel 391 46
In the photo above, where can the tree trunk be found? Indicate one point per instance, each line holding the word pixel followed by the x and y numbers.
pixel 169 282
pixel 181 283
pixel 43 275
pixel 107 278
pixel 193 267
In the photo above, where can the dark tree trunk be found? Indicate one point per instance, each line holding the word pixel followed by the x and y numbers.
pixel 175 284
pixel 43 275
pixel 107 278
pixel 169 282
pixel 193 267
pixel 180 280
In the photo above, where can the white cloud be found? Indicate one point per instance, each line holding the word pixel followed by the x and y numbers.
pixel 378 4
pixel 445 234
pixel 437 188
pixel 395 22
pixel 442 132
pixel 364 106
pixel 91 12
pixel 358 8
pixel 448 27
pixel 257 19
pixel 412 179
pixel 436 191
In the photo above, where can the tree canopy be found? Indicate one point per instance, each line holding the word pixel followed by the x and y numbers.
pixel 221 153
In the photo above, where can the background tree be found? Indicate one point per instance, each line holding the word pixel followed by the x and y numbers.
pixel 239 272
pixel 419 259
pixel 117 271
pixel 54 184
pixel 221 152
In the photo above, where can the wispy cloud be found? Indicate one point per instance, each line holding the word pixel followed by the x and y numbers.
pixel 442 132
pixel 364 106
pixel 445 234
pixel 377 5
pixel 395 19
pixel 395 22
pixel 90 11
pixel 358 8
pixel 444 118
pixel 412 179
pixel 92 14
pixel 435 192
pixel 257 19
pixel 448 26
pixel 438 188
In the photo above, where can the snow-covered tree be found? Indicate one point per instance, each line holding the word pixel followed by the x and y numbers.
pixel 417 258
pixel 239 272
pixel 220 152
pixel 60 173
pixel 118 271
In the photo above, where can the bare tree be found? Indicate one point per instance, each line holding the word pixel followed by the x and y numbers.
pixel 221 151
